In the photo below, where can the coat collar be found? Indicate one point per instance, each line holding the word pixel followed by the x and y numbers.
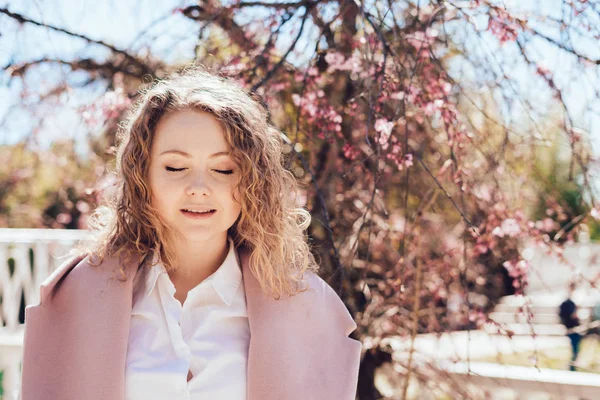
pixel 76 339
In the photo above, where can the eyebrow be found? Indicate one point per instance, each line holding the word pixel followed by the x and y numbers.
pixel 184 154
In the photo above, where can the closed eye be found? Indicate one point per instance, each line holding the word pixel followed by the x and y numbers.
pixel 224 172
pixel 171 169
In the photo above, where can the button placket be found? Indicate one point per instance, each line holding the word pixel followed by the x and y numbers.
pixel 174 312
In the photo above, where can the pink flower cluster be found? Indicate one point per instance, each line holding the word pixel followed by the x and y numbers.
pixel 546 225
pixel 389 142
pixel 351 152
pixel 337 62
pixel 500 225
pixel 422 41
pixel 518 271
pixel 503 26
pixel 108 107
pixel 384 128
pixel 509 227
pixel 432 98
pixel 317 112
pixel 401 161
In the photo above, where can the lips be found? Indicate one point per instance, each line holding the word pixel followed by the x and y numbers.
pixel 198 210
pixel 197 214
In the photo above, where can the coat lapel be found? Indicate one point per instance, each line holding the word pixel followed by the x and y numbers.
pixel 299 346
pixel 76 338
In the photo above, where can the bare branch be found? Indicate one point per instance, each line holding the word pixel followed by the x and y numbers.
pixel 565 47
pixel 223 17
pixel 283 59
pixel 107 69
pixel 142 67
pixel 324 26
pixel 462 214
pixel 275 5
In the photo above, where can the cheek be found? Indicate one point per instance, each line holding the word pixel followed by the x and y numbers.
pixel 158 205
pixel 161 198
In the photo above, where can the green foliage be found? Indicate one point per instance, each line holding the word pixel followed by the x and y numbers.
pixel 561 188
pixel 45 188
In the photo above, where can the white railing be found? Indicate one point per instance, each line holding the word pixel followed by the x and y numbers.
pixel 27 256
pixel 526 381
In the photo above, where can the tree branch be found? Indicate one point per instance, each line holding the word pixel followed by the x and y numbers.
pixel 565 48
pixel 223 17
pixel 86 64
pixel 275 5
pixel 287 53
pixel 462 214
pixel 143 67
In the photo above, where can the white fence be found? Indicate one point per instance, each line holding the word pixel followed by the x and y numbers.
pixel 28 257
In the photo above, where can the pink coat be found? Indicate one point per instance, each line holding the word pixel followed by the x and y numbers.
pixel 76 339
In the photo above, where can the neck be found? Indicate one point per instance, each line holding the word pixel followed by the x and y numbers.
pixel 197 260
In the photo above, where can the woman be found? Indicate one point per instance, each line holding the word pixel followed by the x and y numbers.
pixel 201 284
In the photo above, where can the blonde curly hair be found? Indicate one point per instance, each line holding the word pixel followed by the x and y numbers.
pixel 270 226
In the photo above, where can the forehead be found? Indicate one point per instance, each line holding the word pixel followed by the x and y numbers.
pixel 189 130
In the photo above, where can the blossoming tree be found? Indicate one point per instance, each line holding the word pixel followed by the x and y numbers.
pixel 416 127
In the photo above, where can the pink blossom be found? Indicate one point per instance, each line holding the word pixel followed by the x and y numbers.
pixel 546 225
pixel 315 110
pixel 483 192
pixel 384 128
pixel 518 269
pixel 350 152
pixel 279 86
pixel 337 62
pixel 63 218
pixel 497 231
pixel 503 26
pixel 445 166
pixel 510 227
pixel 542 71
pixel 107 107
pixel 420 40
pixel 522 266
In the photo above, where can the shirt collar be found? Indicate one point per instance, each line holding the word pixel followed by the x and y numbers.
pixel 225 280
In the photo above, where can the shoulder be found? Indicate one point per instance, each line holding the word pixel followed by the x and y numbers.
pixel 323 304
pixel 54 280
pixel 80 273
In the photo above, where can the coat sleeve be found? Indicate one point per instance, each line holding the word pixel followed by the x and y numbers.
pixel 35 341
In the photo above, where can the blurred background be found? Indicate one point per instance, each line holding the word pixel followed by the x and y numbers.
pixel 447 151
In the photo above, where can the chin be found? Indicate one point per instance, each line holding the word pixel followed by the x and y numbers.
pixel 202 235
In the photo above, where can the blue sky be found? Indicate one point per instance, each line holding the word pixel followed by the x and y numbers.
pixel 119 22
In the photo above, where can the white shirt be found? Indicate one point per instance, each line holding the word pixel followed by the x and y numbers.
pixel 208 336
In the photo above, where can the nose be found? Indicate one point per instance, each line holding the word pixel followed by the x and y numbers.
pixel 198 185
